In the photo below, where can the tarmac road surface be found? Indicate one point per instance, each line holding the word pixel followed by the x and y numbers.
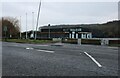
pixel 58 60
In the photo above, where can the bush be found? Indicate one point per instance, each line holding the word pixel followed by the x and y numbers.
pixel 72 41
pixel 114 43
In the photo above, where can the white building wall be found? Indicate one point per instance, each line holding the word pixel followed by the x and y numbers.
pixel 73 34
pixel 77 35
pixel 83 36
pixel 89 35
pixel 69 35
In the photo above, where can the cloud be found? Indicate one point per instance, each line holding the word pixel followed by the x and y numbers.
pixel 119 10
pixel 77 12
pixel 62 12
pixel 60 0
pixel 0 9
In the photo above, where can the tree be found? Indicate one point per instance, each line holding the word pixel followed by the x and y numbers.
pixel 10 27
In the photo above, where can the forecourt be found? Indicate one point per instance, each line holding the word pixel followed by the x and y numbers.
pixel 58 60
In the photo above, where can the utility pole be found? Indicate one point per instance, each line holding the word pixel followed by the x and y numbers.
pixel 33 23
pixel 26 25
pixel 37 20
pixel 5 30
pixel 20 27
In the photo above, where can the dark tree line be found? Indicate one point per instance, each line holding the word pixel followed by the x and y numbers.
pixel 10 27
pixel 106 30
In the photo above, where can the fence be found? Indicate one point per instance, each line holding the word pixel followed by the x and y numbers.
pixel 94 41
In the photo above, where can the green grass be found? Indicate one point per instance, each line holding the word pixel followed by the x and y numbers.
pixel 29 41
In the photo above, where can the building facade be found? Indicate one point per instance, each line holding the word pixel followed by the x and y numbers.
pixel 63 31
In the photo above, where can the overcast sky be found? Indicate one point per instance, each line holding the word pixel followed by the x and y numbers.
pixel 61 12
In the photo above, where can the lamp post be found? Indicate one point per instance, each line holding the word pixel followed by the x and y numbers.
pixel 33 23
pixel 49 30
pixel 26 25
pixel 5 30
pixel 20 27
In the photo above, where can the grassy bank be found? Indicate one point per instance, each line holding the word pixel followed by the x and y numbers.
pixel 29 41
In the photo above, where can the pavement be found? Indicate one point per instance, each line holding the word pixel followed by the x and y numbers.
pixel 58 60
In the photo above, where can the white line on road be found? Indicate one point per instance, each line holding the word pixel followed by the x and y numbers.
pixel 46 51
pixel 42 45
pixel 99 65
pixel 29 48
pixel 113 47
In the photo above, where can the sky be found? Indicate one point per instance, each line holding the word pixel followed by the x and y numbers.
pixel 60 12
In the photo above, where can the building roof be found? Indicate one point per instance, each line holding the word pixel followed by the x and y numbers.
pixel 61 26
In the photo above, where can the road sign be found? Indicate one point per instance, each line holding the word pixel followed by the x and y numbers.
pixel 76 30
pixel 5 28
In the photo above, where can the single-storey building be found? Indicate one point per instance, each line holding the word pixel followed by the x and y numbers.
pixel 64 31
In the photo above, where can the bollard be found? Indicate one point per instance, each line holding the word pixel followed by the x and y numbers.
pixel 79 41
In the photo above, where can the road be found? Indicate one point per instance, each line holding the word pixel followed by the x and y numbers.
pixel 58 60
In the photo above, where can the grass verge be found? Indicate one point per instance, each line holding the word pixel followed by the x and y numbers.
pixel 29 41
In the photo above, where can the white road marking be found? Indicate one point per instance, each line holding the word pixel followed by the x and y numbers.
pixel 16 45
pixel 113 47
pixel 42 45
pixel 29 48
pixel 46 51
pixel 99 65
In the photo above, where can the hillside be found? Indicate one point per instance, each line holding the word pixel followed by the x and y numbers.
pixel 106 30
